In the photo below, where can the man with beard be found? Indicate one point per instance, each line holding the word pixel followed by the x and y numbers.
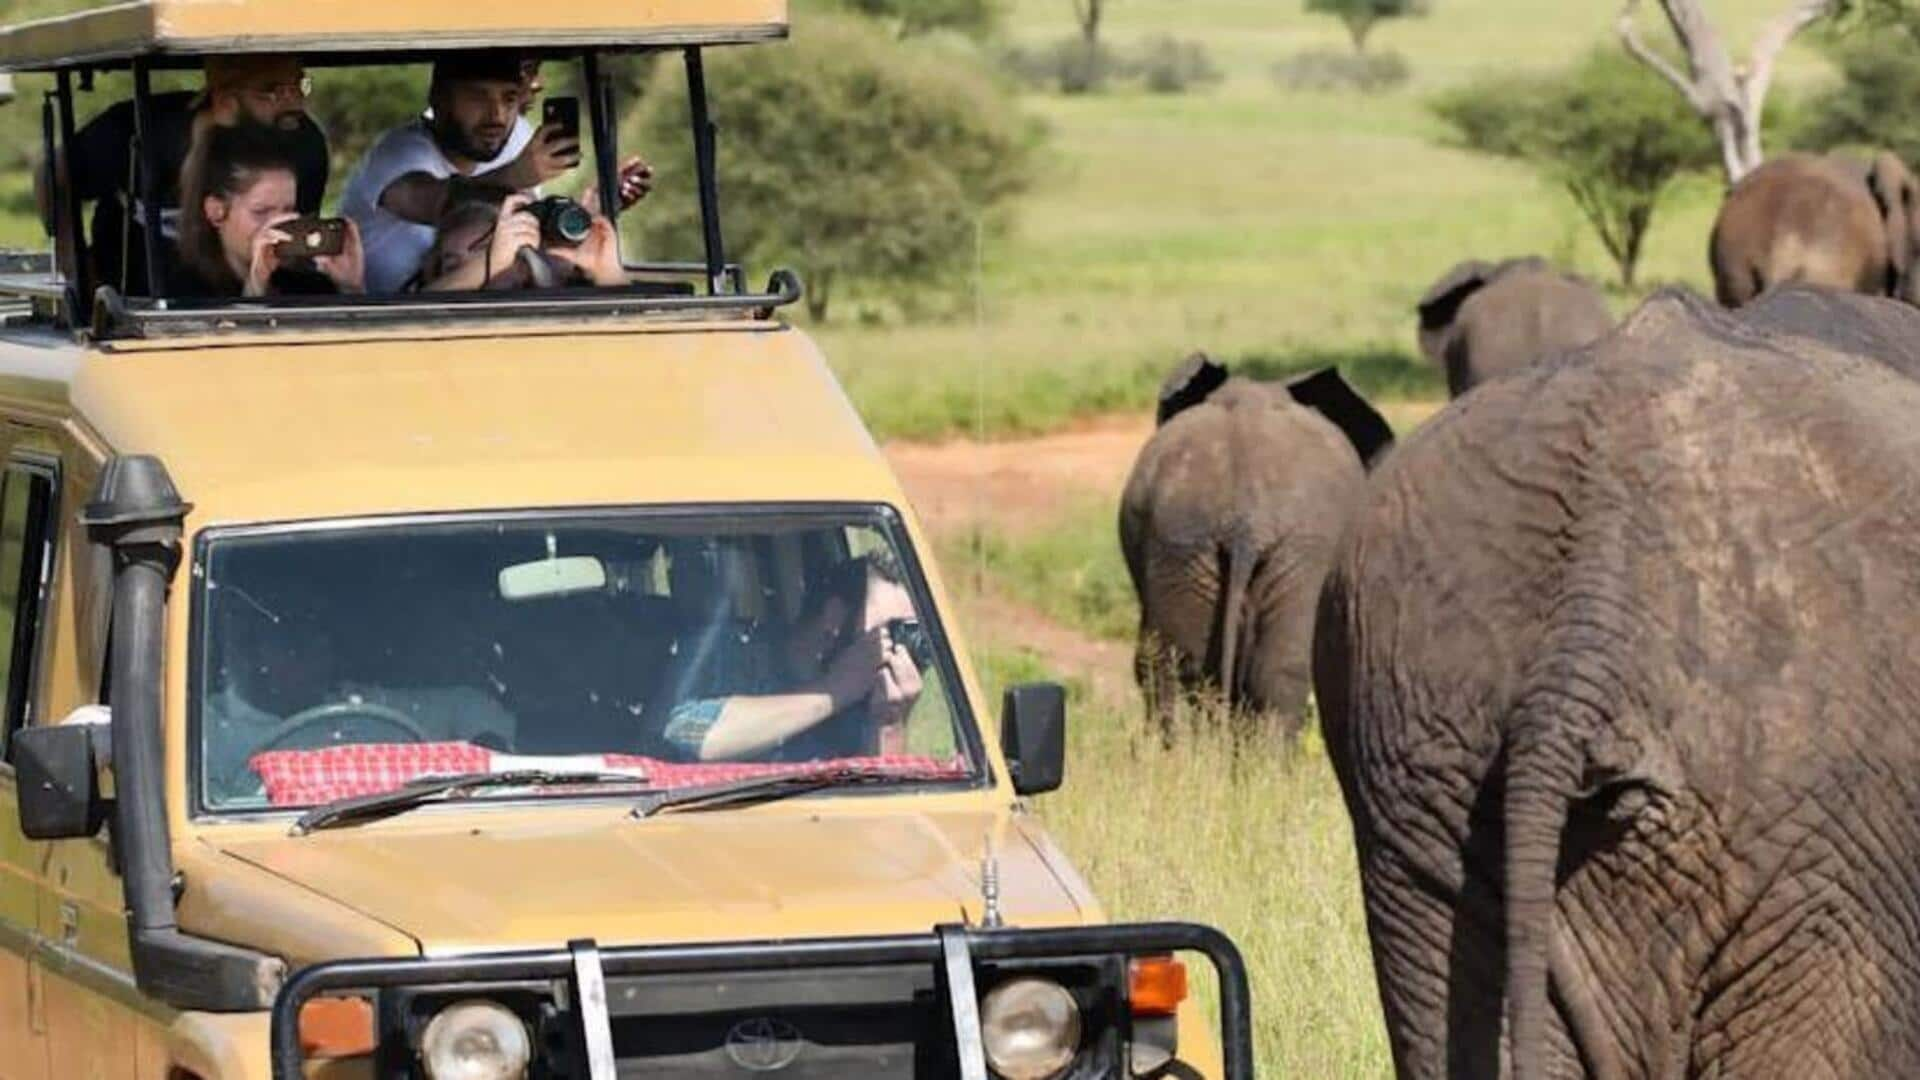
pixel 265 89
pixel 472 134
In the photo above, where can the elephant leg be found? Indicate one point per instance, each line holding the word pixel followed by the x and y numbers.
pixel 1284 600
pixel 1179 614
pixel 1158 678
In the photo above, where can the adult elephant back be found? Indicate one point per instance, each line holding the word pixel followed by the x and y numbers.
pixel 1227 523
pixel 1824 221
pixel 1616 670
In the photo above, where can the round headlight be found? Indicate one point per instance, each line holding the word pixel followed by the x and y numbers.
pixel 476 1040
pixel 1030 1028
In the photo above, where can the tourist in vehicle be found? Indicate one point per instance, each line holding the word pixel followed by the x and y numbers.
pixel 268 91
pixel 479 241
pixel 835 685
pixel 472 136
pixel 240 184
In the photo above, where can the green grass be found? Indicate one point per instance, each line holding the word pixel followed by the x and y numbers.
pixel 1247 220
pixel 1254 841
pixel 1068 569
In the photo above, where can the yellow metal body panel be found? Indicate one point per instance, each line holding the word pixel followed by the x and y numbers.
pixel 190 27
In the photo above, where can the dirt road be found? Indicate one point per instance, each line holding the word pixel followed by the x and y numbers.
pixel 1018 483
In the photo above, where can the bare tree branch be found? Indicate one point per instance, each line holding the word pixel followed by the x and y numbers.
pixel 1799 15
pixel 1630 37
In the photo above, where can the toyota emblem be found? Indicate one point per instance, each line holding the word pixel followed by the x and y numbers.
pixel 763 1044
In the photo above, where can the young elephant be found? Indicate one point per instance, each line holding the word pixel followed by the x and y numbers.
pixel 1819 221
pixel 1481 320
pixel 1227 523
pixel 1616 668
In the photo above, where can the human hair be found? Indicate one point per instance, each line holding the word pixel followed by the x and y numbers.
pixel 488 65
pixel 475 204
pixel 847 582
pixel 223 162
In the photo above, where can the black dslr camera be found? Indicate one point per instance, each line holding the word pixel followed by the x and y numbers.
pixel 910 635
pixel 563 221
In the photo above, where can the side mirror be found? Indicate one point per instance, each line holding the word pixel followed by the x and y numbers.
pixel 56 771
pixel 1033 733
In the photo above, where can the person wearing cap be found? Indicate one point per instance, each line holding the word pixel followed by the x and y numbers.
pixel 267 90
pixel 473 135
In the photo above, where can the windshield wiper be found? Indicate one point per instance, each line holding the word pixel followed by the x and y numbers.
pixel 359 808
pixel 759 789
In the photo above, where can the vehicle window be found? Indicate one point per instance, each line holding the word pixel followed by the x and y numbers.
pixel 345 661
pixel 26 549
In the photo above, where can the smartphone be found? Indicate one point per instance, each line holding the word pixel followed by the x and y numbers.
pixel 310 236
pixel 562 113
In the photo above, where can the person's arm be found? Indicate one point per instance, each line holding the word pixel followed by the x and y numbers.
pixel 512 230
pixel 729 728
pixel 420 197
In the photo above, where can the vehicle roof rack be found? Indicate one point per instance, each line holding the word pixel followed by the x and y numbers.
pixel 181 31
pixel 114 317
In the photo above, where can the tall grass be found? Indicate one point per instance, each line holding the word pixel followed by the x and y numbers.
pixel 1251 839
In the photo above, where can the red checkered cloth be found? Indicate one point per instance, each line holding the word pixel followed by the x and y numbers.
pixel 312 777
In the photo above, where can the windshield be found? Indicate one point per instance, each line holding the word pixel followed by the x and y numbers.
pixel 678 650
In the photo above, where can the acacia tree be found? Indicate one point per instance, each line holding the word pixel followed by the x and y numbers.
pixel 1731 97
pixel 1088 14
pixel 1361 16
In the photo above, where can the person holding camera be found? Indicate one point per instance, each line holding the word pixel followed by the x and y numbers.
pixel 472 136
pixel 518 242
pixel 841 682
pixel 241 233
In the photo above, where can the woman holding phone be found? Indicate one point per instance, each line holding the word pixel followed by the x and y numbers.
pixel 237 234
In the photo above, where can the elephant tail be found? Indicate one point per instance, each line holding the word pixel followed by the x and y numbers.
pixel 1544 770
pixel 1240 560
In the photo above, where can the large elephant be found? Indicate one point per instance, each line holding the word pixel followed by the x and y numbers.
pixel 1227 523
pixel 1830 221
pixel 1616 667
pixel 1481 319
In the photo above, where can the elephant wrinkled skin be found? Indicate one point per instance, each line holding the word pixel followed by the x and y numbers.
pixel 1481 320
pixel 1227 523
pixel 1617 669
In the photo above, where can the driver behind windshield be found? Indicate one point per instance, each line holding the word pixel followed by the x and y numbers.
pixel 837 685
pixel 280 684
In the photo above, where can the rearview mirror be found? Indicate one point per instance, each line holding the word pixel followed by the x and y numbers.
pixel 546 578
pixel 1033 734
pixel 56 770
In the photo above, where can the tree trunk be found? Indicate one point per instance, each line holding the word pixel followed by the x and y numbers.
pixel 1730 98
pixel 819 290
pixel 1088 13
pixel 1358 27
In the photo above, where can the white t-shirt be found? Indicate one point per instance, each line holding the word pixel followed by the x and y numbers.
pixel 394 245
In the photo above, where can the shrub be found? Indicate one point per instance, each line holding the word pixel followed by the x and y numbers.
pixel 1872 105
pixel 845 154
pixel 1333 69
pixel 1071 65
pixel 1169 65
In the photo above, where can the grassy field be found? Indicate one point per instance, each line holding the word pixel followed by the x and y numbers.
pixel 1248 220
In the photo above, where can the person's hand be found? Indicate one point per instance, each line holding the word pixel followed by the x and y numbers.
pixel 266 256
pixel 598 256
pixel 512 230
pixel 547 155
pixel 349 268
pixel 898 686
pixel 854 672
pixel 636 183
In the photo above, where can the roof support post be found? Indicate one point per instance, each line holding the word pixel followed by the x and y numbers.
pixel 606 134
pixel 148 157
pixel 66 208
pixel 704 159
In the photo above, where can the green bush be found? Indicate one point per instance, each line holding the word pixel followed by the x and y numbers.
pixel 1170 65
pixel 1873 104
pixel 1333 69
pixel 356 105
pixel 1070 65
pixel 845 154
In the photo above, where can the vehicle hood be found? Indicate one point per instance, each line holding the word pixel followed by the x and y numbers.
pixel 726 875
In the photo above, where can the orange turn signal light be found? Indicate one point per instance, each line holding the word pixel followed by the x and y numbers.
pixel 1156 985
pixel 337 1027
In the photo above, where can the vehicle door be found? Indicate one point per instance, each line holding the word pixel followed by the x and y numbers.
pixel 26 513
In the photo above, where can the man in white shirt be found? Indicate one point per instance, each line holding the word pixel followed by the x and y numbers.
pixel 473 129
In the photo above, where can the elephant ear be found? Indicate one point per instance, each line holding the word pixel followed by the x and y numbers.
pixel 1442 303
pixel 1333 397
pixel 1191 382
pixel 1894 192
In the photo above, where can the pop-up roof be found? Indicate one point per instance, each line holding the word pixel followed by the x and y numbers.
pixel 164 29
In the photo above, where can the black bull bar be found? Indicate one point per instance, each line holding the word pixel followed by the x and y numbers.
pixel 952 948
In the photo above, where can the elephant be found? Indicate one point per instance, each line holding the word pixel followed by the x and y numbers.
pixel 1832 221
pixel 1616 670
pixel 1227 522
pixel 1481 319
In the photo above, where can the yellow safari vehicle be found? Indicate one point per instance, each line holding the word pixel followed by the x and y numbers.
pixel 492 684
